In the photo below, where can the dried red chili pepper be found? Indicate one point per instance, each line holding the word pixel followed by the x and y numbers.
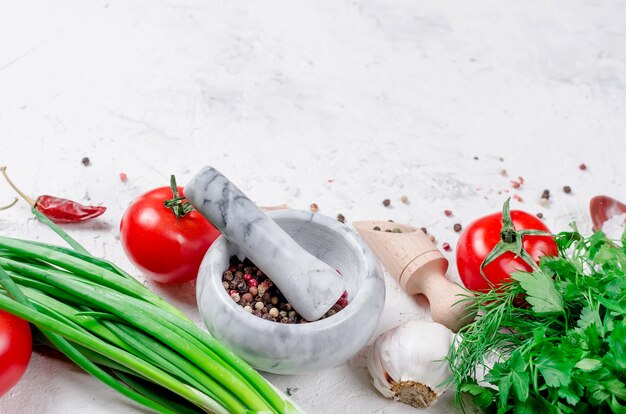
pixel 59 210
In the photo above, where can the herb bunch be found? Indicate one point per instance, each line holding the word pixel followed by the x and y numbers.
pixel 552 340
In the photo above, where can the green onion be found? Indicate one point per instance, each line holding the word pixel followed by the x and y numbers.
pixel 126 336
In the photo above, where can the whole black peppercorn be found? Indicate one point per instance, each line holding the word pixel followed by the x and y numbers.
pixel 386 202
pixel 86 162
pixel 458 227
pixel 341 218
pixel 567 189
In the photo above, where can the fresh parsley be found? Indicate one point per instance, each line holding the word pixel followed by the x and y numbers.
pixel 553 340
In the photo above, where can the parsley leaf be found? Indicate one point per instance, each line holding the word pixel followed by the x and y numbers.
pixel 542 293
pixel 511 373
pixel 617 346
pixel 588 364
pixel 482 396
pixel 554 366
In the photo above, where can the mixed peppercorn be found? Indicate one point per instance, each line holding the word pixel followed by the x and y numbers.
pixel 247 285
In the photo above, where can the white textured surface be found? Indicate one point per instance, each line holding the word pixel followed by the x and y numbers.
pixel 385 98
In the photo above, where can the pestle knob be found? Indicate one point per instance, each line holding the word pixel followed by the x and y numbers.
pixel 310 285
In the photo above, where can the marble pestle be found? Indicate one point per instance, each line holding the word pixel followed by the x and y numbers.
pixel 310 285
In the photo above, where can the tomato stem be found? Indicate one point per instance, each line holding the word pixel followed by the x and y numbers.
pixel 178 204
pixel 511 241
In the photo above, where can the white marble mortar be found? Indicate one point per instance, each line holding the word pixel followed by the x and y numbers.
pixel 293 349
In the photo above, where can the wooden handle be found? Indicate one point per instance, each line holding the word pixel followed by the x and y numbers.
pixel 443 296
pixel 416 263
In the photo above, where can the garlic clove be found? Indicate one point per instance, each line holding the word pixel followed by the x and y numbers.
pixel 408 363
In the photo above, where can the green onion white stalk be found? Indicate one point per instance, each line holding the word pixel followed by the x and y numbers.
pixel 125 335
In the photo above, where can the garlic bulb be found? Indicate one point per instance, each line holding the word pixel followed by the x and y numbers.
pixel 408 363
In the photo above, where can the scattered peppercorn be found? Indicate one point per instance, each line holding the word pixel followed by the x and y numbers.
pixel 457 227
pixel 404 199
pixel 396 230
pixel 376 228
pixel 582 167
pixel 515 184
pixel 251 289
pixel 546 193
pixel 314 208
pixel 431 238
pixel 424 230
pixel 86 162
pixel 503 172
pixel 123 177
pixel 446 246
pixel 386 202
pixel 448 213
pixel 341 218
pixel 540 215
pixel 567 189
pixel 476 158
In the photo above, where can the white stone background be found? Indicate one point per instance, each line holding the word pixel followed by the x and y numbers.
pixel 341 103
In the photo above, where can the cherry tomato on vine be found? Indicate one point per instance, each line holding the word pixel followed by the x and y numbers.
pixel 506 242
pixel 16 347
pixel 164 236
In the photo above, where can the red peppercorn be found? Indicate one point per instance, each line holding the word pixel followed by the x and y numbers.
pixel 247 277
pixel 123 177
pixel 232 291
pixel 515 184
pixel 253 283
pixel 582 167
pixel 342 302
pixel 232 269
pixel 448 213
pixel 446 246
pixel 521 179
pixel 344 294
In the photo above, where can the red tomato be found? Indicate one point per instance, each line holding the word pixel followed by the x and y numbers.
pixel 165 248
pixel 16 347
pixel 479 238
